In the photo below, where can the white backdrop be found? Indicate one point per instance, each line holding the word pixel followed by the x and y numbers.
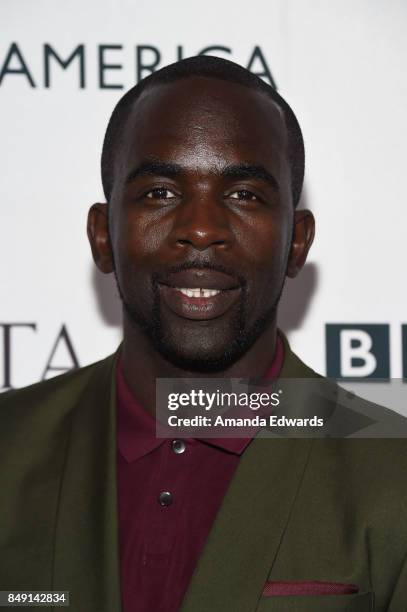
pixel 341 66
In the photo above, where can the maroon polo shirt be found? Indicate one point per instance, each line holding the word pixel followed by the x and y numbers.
pixel 169 492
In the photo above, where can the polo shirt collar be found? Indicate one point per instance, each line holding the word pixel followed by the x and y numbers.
pixel 136 432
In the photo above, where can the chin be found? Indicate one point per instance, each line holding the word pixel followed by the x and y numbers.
pixel 209 347
pixel 203 357
pixel 197 362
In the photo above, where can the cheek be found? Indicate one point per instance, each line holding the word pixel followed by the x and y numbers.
pixel 137 241
pixel 266 245
pixel 129 248
pixel 138 236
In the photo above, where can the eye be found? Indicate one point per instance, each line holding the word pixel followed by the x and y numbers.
pixel 243 194
pixel 160 193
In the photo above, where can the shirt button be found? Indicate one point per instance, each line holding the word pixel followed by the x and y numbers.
pixel 165 498
pixel 178 446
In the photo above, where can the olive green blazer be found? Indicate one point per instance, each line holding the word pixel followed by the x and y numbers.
pixel 330 510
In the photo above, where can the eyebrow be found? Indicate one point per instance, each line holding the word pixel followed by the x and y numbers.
pixel 156 167
pixel 250 171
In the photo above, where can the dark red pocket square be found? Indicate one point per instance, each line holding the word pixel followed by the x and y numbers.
pixel 315 587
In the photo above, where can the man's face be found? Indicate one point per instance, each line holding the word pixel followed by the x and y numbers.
pixel 201 219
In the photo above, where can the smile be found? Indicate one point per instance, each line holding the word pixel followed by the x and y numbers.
pixel 198 293
pixel 198 303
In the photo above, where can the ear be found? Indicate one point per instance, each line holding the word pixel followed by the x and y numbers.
pixel 303 236
pixel 99 239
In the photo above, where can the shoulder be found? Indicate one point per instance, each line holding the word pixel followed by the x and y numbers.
pixel 52 398
pixel 348 415
pixel 363 442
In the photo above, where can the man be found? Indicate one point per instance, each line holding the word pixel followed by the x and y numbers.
pixel 202 168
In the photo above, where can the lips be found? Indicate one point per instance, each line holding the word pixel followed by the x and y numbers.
pixel 199 294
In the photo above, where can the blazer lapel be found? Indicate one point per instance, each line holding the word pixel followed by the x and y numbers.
pixel 244 540
pixel 86 544
pixel 246 535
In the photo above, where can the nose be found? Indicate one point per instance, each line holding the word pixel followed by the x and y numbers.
pixel 202 223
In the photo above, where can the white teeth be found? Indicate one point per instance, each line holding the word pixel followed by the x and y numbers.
pixel 198 293
pixel 209 292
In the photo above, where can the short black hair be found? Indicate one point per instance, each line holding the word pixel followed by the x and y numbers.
pixel 210 67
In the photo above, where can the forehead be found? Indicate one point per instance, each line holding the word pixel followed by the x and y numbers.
pixel 200 122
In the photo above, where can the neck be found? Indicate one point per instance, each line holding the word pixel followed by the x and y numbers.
pixel 142 364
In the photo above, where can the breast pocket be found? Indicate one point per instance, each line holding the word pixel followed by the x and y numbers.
pixel 360 602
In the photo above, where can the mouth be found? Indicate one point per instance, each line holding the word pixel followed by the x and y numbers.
pixel 200 295
pixel 198 304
